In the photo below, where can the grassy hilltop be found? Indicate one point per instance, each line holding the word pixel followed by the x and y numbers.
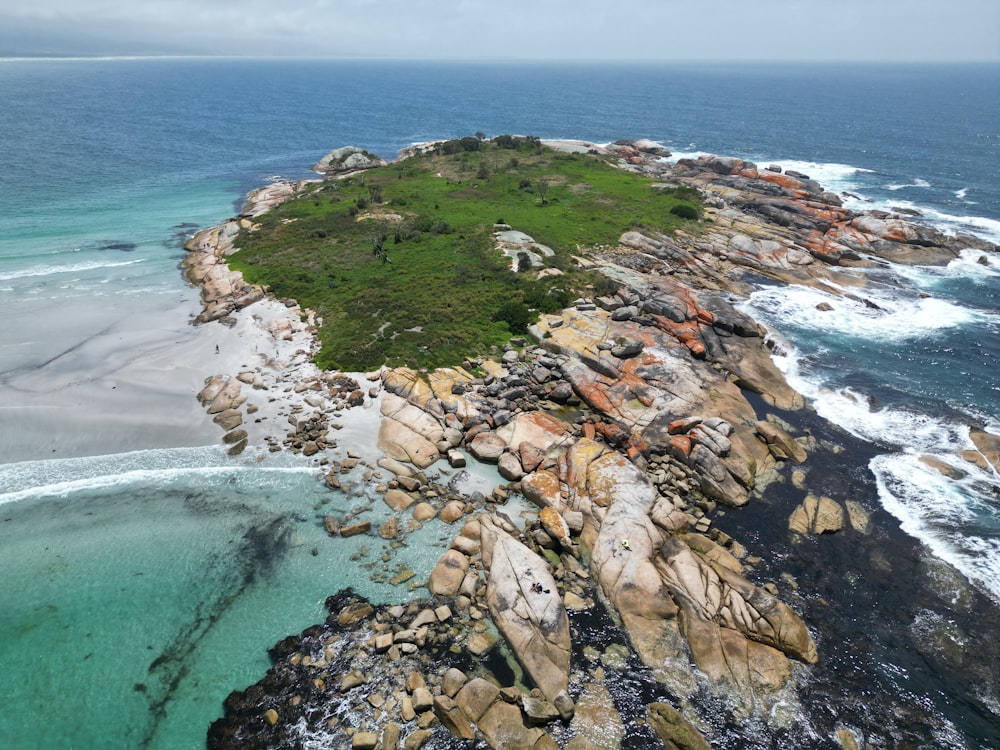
pixel 401 262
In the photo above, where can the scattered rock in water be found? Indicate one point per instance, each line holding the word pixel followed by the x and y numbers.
pixel 943 467
pixel 676 732
pixel 362 527
pixel 821 515
pixel 398 499
pixel 389 529
pixel 596 718
pixel 858 515
pixel 988 446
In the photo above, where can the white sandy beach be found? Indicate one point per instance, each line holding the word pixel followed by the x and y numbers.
pixel 123 382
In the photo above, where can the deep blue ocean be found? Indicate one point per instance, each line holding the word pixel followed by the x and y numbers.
pixel 133 598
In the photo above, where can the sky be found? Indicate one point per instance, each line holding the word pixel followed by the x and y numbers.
pixel 597 30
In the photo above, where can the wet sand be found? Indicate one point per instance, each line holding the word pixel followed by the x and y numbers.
pixel 127 379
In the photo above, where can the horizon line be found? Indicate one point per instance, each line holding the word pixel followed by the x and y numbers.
pixel 497 60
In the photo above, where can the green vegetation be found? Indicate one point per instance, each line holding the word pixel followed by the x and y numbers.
pixel 686 211
pixel 401 264
pixel 516 315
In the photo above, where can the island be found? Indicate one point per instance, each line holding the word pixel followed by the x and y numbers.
pixel 567 312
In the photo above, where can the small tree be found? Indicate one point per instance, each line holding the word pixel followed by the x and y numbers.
pixel 377 237
pixel 542 186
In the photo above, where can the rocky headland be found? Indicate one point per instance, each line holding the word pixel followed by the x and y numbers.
pixel 632 422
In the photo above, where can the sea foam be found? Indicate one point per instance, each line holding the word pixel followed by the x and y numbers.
pixel 831 175
pixel 852 409
pixel 917 183
pixel 975 265
pixel 890 316
pixel 71 268
pixel 61 478
pixel 939 511
pixel 981 226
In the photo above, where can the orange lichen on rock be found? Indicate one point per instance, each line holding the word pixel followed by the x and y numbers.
pixel 555 525
pixel 681 444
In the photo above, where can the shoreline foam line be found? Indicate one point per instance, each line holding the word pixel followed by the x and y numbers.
pixel 62 489
pixel 38 271
pixel 941 537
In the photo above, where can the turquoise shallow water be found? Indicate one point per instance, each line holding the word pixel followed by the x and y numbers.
pixel 150 594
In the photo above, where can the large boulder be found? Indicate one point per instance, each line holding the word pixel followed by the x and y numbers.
pixel 447 576
pixel 543 488
pixel 347 159
pixel 988 445
pixel 500 723
pixel 785 443
pixel 739 635
pixel 623 562
pixel 679 597
pixel 721 594
pixel 525 604
pixel 221 394
pixel 487 446
pixel 408 433
pixel 535 428
pixel 817 515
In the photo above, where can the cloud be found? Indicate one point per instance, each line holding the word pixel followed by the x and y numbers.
pixel 558 29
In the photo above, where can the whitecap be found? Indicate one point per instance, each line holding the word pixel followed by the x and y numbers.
pixel 831 175
pixel 975 265
pixel 918 183
pixel 936 509
pixel 52 270
pixel 957 519
pixel 950 224
pixel 888 317
pixel 852 409
pixel 61 478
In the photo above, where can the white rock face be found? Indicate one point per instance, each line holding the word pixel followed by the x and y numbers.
pixel 347 159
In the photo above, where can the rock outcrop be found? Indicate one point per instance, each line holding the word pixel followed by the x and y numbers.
pixel 347 159
pixel 817 515
pixel 222 290
pixel 526 606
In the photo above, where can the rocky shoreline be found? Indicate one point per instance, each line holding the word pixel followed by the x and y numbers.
pixel 633 422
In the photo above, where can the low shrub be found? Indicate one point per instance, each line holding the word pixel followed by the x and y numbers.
pixel 686 211
pixel 516 315
pixel 605 287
